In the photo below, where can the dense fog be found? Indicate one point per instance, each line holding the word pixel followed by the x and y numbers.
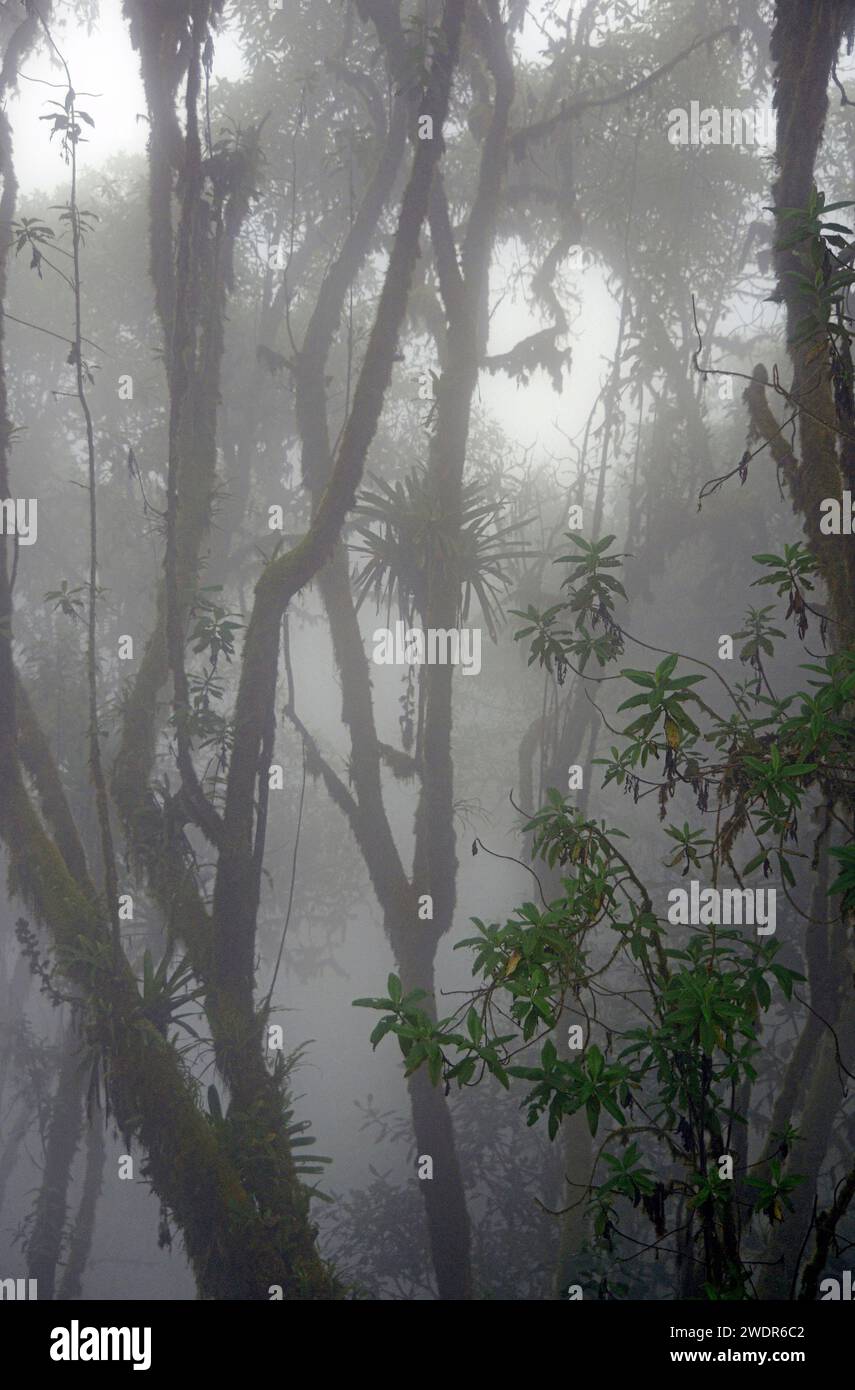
pixel 427 650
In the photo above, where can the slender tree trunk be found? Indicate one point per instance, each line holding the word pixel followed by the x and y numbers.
pixel 45 1240
pixel 82 1231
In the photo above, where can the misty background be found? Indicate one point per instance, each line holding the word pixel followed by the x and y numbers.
pixel 609 413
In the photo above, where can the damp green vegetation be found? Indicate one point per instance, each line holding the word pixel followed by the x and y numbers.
pixel 446 312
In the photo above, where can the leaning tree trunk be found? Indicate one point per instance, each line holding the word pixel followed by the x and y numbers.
pixel 45 1239
pixel 83 1228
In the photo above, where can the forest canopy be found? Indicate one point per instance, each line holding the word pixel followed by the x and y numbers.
pixel 427 650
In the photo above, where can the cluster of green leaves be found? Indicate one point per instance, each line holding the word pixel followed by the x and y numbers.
pixel 789 571
pixel 757 637
pixel 67 600
pixel 803 739
pixel 213 634
pixel 773 749
pixel 166 990
pixel 681 1066
pixel 591 604
pixel 665 696
pixel 67 121
pixel 425 1040
pixel 791 575
pixel 689 844
pixel 35 235
pixel 697 1038
pixel 708 994
pixel 214 629
pixel 772 1194
pixel 251 1137
pixel 823 282
pixel 406 538
pixel 844 884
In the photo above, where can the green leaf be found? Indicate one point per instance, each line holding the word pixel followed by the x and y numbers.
pixel 633 702
pixel 640 678
pixel 380 1031
pixel 500 1074
pixel 214 1105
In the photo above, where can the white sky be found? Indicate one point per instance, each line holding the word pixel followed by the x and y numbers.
pixel 104 62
